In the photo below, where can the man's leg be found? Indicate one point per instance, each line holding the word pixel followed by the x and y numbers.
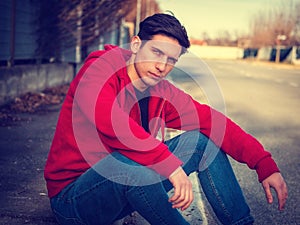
pixel 112 189
pixel 215 174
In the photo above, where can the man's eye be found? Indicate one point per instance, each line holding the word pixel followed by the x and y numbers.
pixel 172 61
pixel 156 52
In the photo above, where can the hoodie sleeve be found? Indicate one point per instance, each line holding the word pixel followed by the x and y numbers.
pixel 232 139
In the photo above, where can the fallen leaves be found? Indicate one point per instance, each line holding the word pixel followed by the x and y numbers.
pixel 32 102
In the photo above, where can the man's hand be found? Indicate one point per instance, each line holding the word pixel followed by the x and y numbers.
pixel 277 182
pixel 183 191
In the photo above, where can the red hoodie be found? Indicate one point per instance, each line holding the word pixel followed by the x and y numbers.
pixel 100 115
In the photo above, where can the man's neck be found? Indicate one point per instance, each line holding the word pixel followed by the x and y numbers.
pixel 136 81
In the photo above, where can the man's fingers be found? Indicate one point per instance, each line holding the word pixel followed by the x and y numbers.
pixel 176 195
pixel 282 195
pixel 184 200
pixel 281 203
pixel 190 200
pixel 277 182
pixel 182 197
pixel 268 193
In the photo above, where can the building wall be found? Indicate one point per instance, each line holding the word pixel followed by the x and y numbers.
pixel 21 79
pixel 19 36
pixel 23 29
pixel 18 41
pixel 217 52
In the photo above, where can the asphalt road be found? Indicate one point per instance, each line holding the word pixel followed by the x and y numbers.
pixel 262 99
pixel 24 145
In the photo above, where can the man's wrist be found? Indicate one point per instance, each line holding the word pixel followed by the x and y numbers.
pixel 175 171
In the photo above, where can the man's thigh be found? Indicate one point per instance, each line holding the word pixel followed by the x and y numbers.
pixel 93 197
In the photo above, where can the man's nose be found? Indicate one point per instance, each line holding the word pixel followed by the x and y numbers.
pixel 161 64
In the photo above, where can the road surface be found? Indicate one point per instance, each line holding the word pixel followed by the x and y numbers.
pixel 262 98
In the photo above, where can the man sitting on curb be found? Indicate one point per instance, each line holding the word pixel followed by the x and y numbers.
pixel 106 160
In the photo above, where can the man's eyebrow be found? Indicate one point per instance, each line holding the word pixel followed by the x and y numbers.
pixel 157 49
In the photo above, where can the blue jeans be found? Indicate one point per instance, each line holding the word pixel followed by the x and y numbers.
pixel 109 191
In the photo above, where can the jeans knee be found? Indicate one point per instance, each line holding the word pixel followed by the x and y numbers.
pixel 195 149
pixel 120 169
pixel 195 140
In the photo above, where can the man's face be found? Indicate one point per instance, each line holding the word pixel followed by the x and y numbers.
pixel 155 59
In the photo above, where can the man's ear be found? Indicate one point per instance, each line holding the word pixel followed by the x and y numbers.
pixel 135 44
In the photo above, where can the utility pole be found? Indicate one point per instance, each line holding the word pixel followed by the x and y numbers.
pixel 11 60
pixel 78 34
pixel 138 16
pixel 279 38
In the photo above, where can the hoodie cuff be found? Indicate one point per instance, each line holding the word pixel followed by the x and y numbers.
pixel 167 166
pixel 265 168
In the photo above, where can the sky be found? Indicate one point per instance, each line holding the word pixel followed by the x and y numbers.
pixel 214 16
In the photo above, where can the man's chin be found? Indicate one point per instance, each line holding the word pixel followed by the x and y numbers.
pixel 151 82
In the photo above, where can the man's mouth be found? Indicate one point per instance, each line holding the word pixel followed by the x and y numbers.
pixel 156 76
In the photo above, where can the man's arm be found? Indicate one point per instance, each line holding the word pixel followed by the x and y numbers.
pixel 233 140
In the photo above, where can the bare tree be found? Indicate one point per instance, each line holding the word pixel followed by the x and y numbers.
pixel 148 8
pixel 91 17
pixel 260 29
pixel 268 27
pixel 223 38
pixel 295 37
pixel 69 23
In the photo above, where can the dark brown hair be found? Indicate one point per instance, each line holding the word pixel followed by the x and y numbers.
pixel 166 25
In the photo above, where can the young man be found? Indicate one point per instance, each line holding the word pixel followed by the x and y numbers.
pixel 106 160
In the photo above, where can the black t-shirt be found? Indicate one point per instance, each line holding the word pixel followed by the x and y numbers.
pixel 143 99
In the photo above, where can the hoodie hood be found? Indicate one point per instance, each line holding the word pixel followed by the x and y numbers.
pixel 111 51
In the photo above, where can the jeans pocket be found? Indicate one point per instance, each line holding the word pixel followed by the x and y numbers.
pixel 61 219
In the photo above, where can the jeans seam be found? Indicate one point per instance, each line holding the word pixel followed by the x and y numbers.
pixel 58 215
pixel 217 195
pixel 188 154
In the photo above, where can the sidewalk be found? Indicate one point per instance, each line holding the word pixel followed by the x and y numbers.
pixel 25 139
